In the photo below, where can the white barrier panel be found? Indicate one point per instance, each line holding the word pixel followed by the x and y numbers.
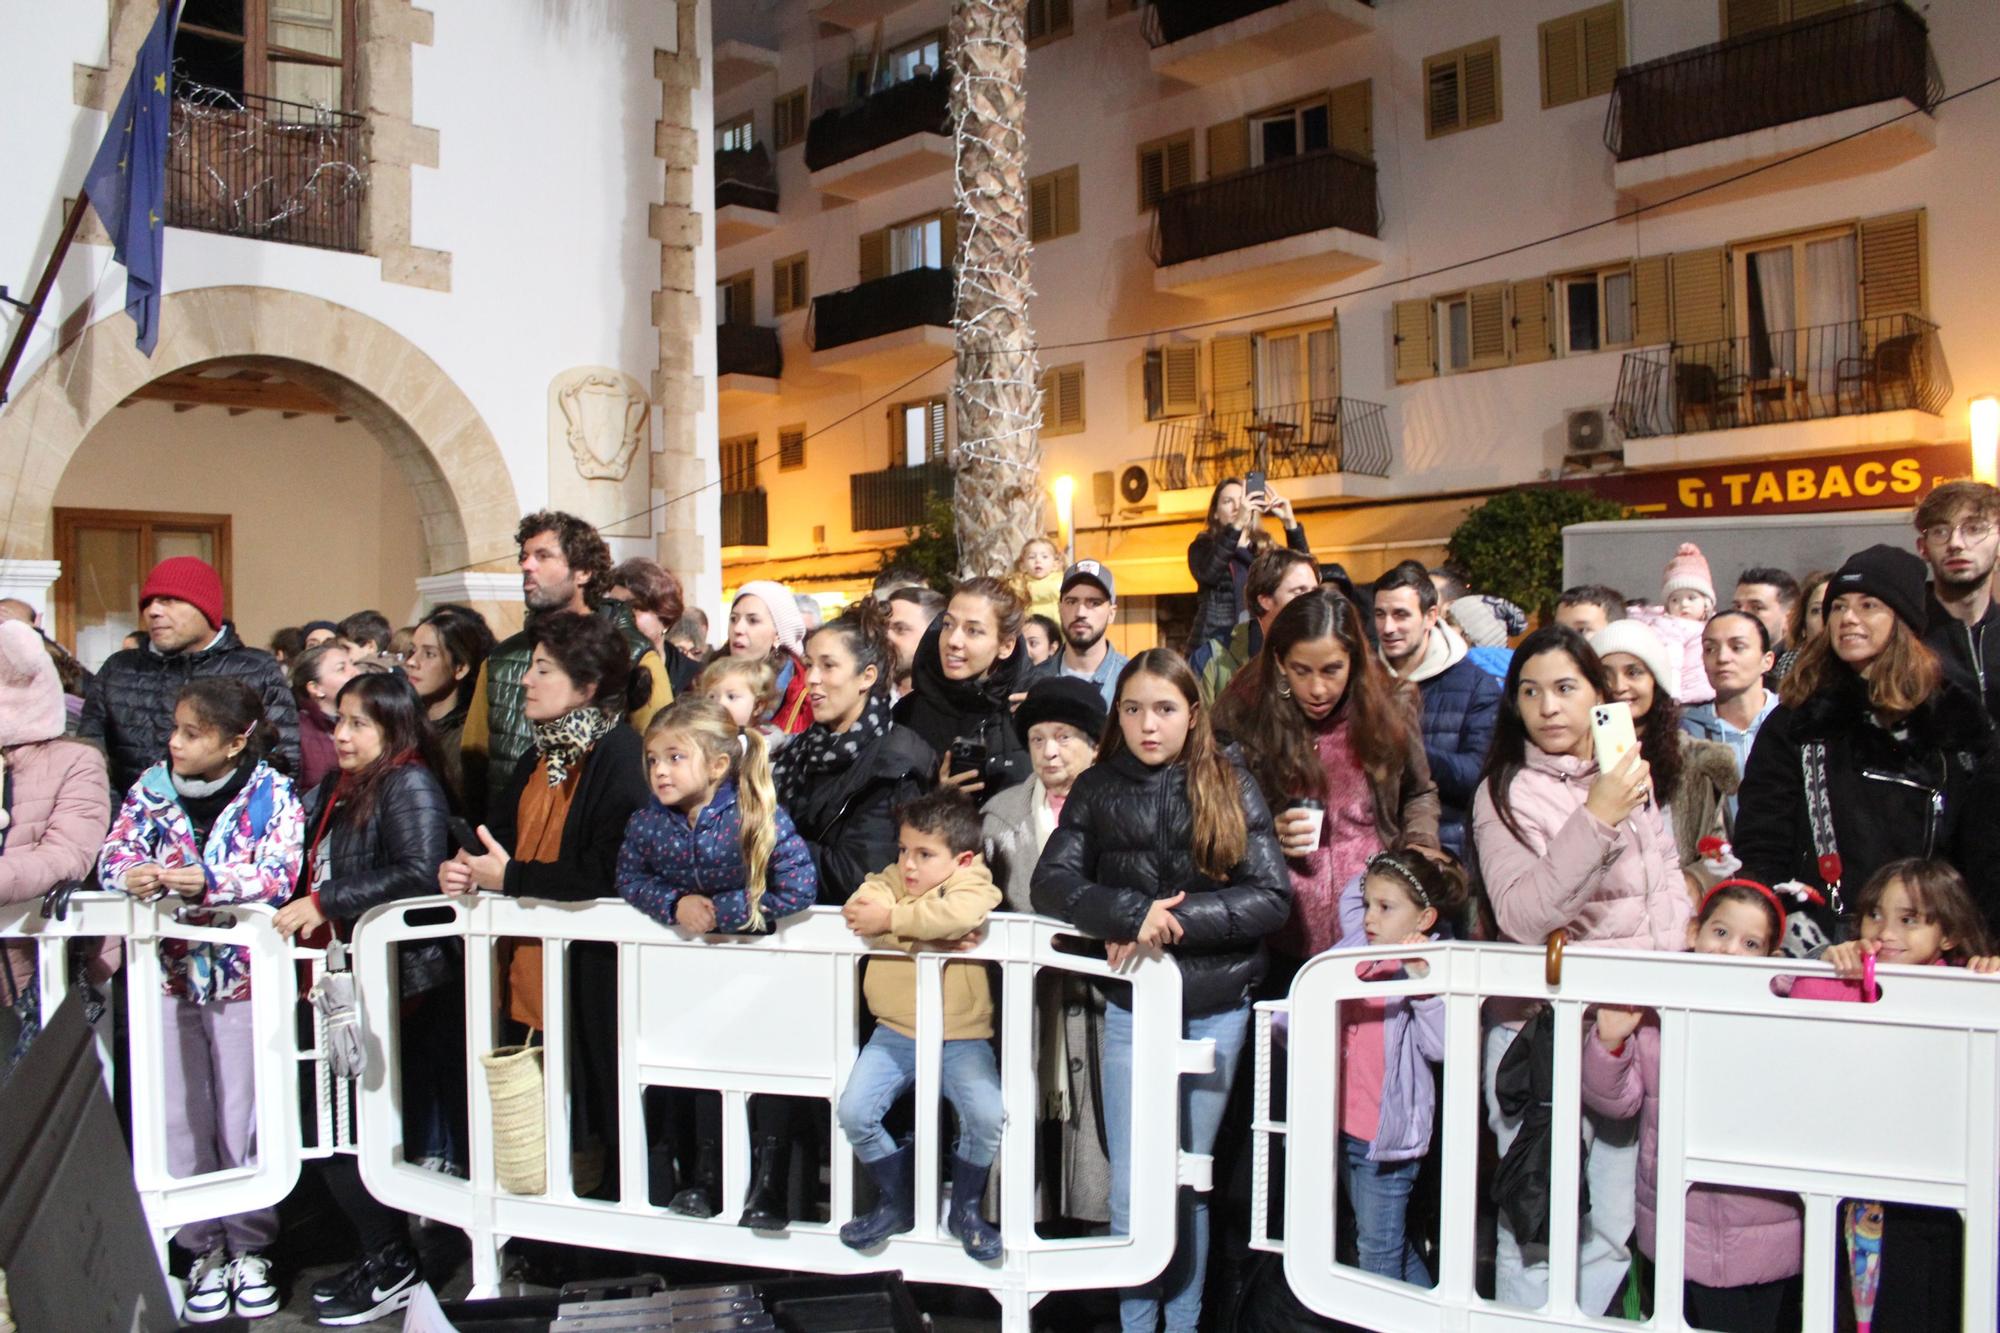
pixel 770 1014
pixel 1892 1101
pixel 171 1201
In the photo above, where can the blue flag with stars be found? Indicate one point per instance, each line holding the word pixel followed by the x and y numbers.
pixel 127 184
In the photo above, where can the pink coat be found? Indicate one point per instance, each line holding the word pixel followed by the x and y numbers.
pixel 1683 642
pixel 1610 887
pixel 58 810
pixel 1735 1237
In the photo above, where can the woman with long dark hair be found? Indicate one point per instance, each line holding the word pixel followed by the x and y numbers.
pixel 965 674
pixel 448 647
pixel 375 832
pixel 1219 557
pixel 1165 845
pixel 1337 751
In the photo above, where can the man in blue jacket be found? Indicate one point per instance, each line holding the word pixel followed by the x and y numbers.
pixel 1461 702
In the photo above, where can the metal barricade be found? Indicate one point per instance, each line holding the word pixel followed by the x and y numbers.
pixel 775 1014
pixel 1897 1101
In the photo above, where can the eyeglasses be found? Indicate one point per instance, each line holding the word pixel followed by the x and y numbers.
pixel 1972 529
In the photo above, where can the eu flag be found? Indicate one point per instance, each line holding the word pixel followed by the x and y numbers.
pixel 127 184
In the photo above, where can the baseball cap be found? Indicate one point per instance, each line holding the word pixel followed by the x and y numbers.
pixel 1089 571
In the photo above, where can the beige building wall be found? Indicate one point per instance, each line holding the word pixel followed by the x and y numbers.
pixel 322 521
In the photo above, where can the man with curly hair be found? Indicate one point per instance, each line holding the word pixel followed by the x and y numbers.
pixel 565 566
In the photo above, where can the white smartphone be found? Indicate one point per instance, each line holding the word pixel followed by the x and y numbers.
pixel 1611 733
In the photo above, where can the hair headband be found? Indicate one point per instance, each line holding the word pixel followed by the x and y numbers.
pixel 1790 888
pixel 1387 863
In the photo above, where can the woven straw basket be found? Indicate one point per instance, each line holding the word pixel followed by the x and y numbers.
pixel 520 1124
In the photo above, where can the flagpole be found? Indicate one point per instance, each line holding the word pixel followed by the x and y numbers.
pixel 32 312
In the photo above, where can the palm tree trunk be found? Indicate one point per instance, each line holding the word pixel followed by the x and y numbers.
pixel 999 484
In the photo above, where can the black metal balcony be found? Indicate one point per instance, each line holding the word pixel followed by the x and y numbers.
pixel 886 305
pixel 1310 439
pixel 915 106
pixel 745 176
pixel 1886 364
pixel 1170 21
pixel 1849 57
pixel 272 170
pixel 745 519
pixel 748 349
pixel 1289 197
pixel 897 497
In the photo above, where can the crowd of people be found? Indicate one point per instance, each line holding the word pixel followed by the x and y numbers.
pixel 1327 765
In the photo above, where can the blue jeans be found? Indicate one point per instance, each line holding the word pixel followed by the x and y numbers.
pixel 1203 1100
pixel 886 1069
pixel 1379 1193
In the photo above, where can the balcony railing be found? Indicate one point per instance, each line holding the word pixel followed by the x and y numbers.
pixel 897 497
pixel 915 106
pixel 745 176
pixel 1851 56
pixel 886 305
pixel 745 519
pixel 1289 197
pixel 1169 21
pixel 260 167
pixel 1311 439
pixel 748 349
pixel 1886 364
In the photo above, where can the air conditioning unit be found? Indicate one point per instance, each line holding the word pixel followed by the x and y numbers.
pixel 1138 489
pixel 1587 439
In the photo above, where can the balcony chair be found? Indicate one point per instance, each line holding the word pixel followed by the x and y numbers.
pixel 1703 395
pixel 1888 375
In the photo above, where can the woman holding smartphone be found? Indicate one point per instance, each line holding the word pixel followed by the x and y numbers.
pixel 965 674
pixel 1565 845
pixel 1219 558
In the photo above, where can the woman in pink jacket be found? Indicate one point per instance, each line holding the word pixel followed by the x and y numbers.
pixel 55 804
pixel 1565 847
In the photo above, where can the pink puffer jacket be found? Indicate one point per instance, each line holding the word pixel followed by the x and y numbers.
pixel 1735 1237
pixel 58 810
pixel 1609 887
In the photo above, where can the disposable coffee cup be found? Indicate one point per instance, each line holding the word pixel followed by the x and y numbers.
pixel 1307 805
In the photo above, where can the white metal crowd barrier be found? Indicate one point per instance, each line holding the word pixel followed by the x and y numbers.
pixel 1896 1101
pixel 171 1202
pixel 774 1014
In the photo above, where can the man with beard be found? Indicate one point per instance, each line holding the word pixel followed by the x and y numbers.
pixel 912 608
pixel 1086 603
pixel 1958 533
pixel 564 567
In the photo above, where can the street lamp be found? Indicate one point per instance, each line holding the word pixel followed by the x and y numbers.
pixel 1065 489
pixel 1985 438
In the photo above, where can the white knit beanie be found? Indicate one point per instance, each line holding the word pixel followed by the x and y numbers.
pixel 783 608
pixel 1643 642
pixel 31 697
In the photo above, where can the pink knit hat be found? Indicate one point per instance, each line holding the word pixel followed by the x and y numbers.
pixel 31 698
pixel 1688 571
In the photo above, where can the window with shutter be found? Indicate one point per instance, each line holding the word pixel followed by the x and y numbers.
pixel 1700 280
pixel 1353 118
pixel 917 433
pixel 1652 320
pixel 1892 265
pixel 736 134
pixel 1746 16
pixel 790 289
pixel 1048 20
pixel 736 299
pixel 1531 321
pixel 1062 400
pixel 1173 381
pixel 1165 165
pixel 874 255
pixel 791 448
pixel 1413 334
pixel 788 119
pixel 1231 377
pixel 1052 204
pixel 1228 147
pixel 739 464
pixel 1462 89
pixel 1488 326
pixel 1581 54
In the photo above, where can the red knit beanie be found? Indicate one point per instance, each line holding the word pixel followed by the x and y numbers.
pixel 188 579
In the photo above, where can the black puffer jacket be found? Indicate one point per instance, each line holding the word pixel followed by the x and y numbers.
pixel 129 706
pixel 941 710
pixel 1126 838
pixel 848 821
pixel 1881 788
pixel 393 853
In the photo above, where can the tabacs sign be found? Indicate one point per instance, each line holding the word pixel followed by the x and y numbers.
pixel 1822 483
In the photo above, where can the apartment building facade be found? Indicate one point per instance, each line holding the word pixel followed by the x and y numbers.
pixel 1398 255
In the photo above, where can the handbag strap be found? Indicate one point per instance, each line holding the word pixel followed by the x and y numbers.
pixel 1819 813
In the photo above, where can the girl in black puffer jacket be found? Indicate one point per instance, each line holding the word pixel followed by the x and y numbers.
pixel 1166 844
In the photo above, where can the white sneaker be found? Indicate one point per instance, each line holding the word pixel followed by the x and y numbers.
pixel 208 1288
pixel 250 1285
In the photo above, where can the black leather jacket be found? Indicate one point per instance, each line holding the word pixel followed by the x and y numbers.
pixel 848 822
pixel 129 705
pixel 1126 838
pixel 393 853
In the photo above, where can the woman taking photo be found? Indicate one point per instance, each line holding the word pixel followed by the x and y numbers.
pixel 965 673
pixel 1219 559
pixel 447 647
pixel 765 624
pixel 1166 845
pixel 1871 728
pixel 1335 747
pixel 555 835
pixel 1566 847
pixel 376 832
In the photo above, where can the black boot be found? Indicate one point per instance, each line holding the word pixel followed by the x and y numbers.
pixel 895 1208
pixel 700 1197
pixel 965 1221
pixel 764 1206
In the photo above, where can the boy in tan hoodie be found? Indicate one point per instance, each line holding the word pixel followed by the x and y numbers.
pixel 938 890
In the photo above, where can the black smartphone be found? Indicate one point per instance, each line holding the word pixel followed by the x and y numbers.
pixel 969 757
pixel 465 838
pixel 1253 485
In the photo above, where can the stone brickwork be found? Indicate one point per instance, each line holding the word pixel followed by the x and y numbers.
pixel 677 226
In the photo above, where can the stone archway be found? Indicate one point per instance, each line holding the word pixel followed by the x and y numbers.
pixel 465 493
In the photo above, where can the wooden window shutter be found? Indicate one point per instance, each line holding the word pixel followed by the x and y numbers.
pixel 743 299
pixel 1165 165
pixel 788 119
pixel 1531 322
pixel 1041 208
pixel 1352 118
pixel 1482 85
pixel 1231 377
pixel 1741 16
pixel 1416 341
pixel 1701 296
pixel 1228 147
pixel 1047 19
pixel 1180 379
pixel 791 448
pixel 1068 185
pixel 1441 112
pixel 1802 9
pixel 1652 320
pixel 1062 400
pixel 788 285
pixel 1603 49
pixel 1462 89
pixel 1892 265
pixel 948 238
pixel 1487 315
pixel 1152 176
pixel 1562 60
pixel 874 255
pixel 934 419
